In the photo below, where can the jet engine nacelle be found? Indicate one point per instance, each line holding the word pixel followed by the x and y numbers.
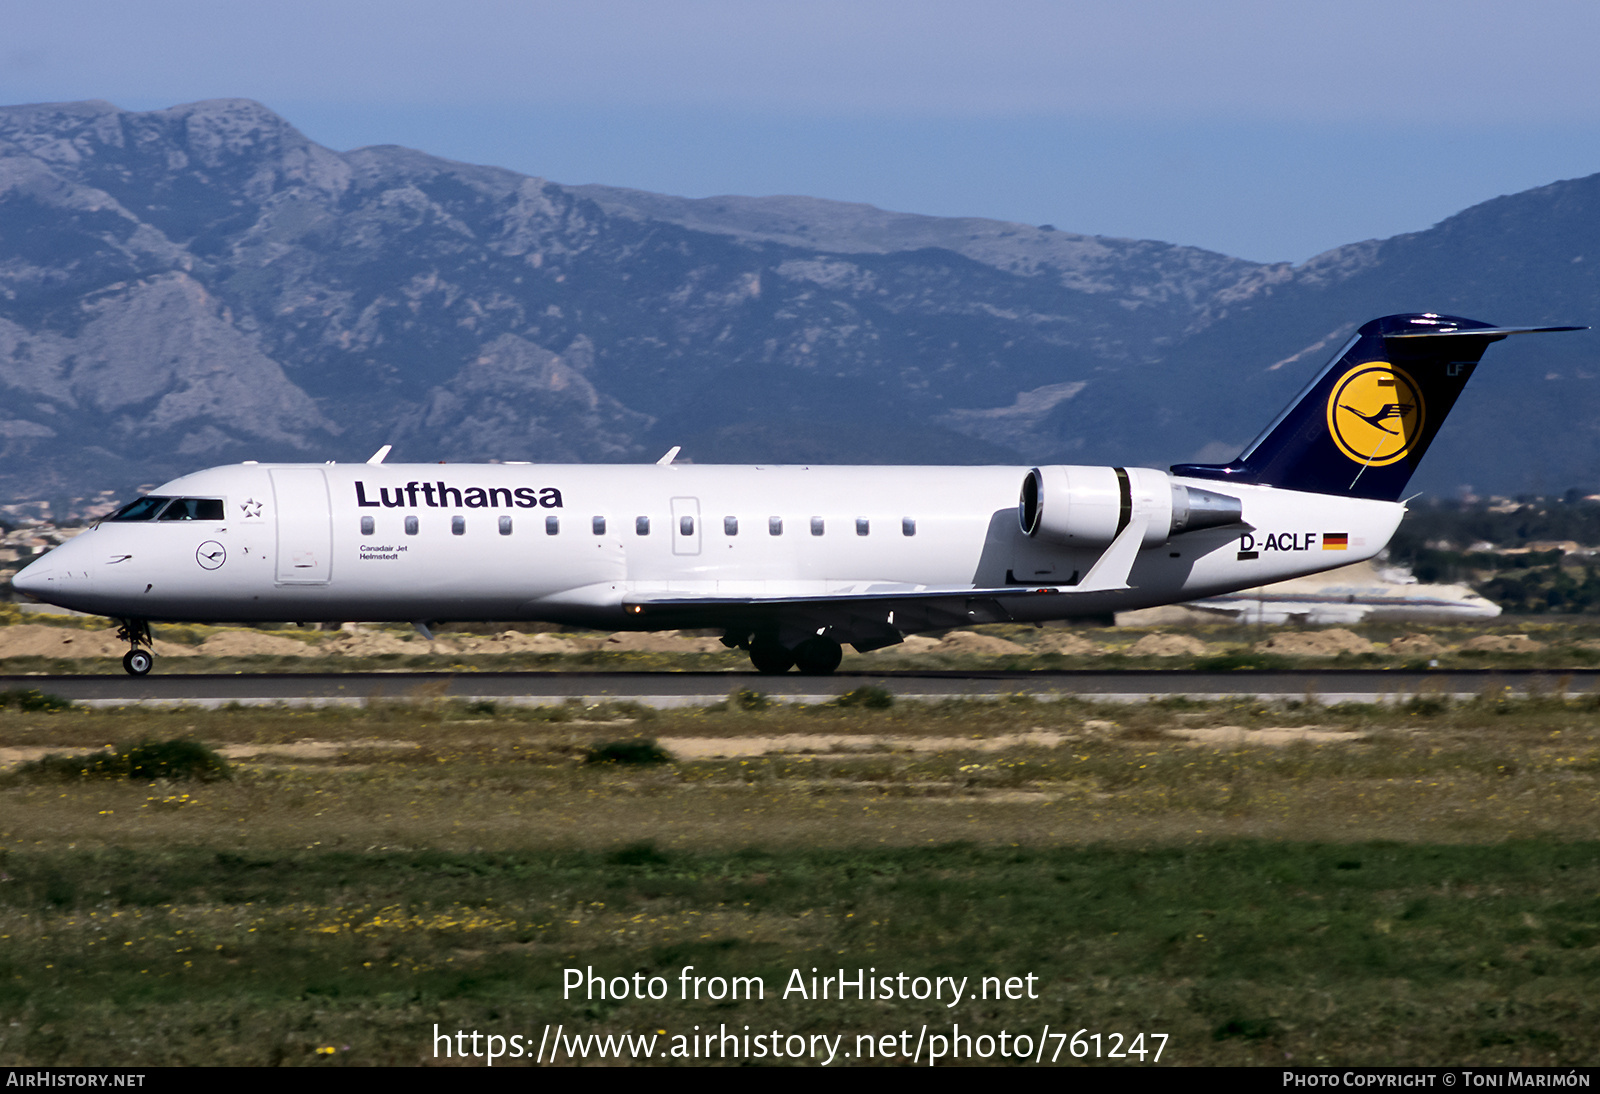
pixel 1089 506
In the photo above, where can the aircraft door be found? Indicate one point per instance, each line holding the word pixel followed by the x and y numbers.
pixel 305 525
pixel 686 526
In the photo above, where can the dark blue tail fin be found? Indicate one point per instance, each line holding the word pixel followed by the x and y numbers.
pixel 1364 424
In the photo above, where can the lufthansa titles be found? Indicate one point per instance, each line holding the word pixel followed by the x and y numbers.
pixel 441 495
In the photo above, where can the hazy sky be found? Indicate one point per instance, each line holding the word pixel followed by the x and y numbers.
pixel 1270 130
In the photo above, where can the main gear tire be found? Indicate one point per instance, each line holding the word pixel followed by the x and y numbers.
pixel 771 658
pixel 818 656
pixel 138 662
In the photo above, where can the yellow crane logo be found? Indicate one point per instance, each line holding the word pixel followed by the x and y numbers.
pixel 1375 414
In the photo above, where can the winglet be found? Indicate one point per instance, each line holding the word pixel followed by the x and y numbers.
pixel 381 454
pixel 672 454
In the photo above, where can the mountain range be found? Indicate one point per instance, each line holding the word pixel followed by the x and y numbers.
pixel 186 287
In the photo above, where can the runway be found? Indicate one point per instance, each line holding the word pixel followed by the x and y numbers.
pixel 679 689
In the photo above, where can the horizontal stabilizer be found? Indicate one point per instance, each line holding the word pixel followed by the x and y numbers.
pixel 1478 332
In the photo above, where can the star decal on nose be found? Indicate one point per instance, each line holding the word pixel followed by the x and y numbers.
pixel 251 508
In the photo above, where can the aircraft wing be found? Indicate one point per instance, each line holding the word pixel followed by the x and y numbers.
pixel 869 616
pixel 872 615
pixel 1216 606
pixel 889 596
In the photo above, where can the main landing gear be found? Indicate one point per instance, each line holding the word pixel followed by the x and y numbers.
pixel 816 656
pixel 137 661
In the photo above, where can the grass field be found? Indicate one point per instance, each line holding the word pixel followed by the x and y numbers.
pixel 1415 884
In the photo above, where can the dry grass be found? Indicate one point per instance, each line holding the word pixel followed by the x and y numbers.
pixel 450 776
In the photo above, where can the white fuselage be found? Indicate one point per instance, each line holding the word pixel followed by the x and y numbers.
pixel 576 543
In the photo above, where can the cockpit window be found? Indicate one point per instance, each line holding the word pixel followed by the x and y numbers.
pixel 193 509
pixel 157 508
pixel 145 508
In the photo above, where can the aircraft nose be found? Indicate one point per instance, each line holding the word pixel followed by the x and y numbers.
pixel 33 579
pixel 60 577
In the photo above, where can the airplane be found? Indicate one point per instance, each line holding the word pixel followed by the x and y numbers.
pixel 789 562
pixel 1350 595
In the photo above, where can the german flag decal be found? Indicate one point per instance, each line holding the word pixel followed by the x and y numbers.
pixel 1335 541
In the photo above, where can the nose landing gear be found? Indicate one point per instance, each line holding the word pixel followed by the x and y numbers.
pixel 137 661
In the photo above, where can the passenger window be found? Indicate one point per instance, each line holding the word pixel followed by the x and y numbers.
pixel 816 526
pixel 599 526
pixel 641 526
pixel 411 526
pixel 458 526
pixel 686 526
pixel 774 526
pixel 730 526
pixel 505 526
pixel 908 526
pixel 367 525
pixel 863 526
pixel 552 525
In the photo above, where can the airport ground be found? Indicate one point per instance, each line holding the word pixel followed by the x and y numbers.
pixel 1263 883
pixel 1354 885
pixel 35 642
